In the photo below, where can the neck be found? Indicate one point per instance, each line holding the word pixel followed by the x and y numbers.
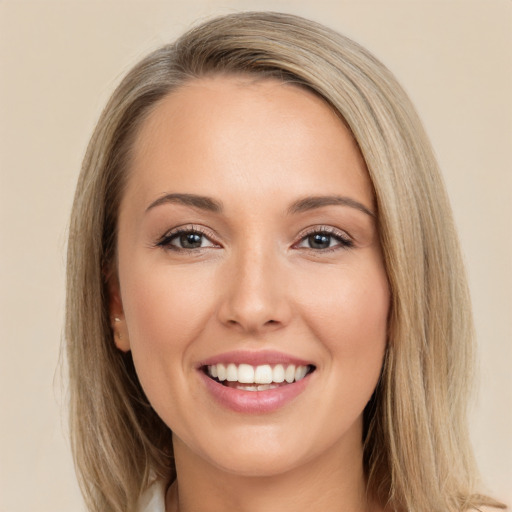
pixel 332 482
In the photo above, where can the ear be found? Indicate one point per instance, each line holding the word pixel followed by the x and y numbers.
pixel 116 313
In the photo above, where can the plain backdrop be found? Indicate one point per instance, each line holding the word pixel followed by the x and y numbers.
pixel 59 62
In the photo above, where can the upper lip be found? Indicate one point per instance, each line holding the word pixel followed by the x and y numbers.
pixel 254 358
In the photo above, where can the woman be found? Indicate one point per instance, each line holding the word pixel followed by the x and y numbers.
pixel 266 302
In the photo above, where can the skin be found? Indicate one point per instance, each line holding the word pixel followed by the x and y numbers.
pixel 257 283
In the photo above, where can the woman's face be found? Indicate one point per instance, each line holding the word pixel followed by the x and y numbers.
pixel 248 251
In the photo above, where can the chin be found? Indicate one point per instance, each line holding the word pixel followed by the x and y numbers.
pixel 263 451
pixel 259 464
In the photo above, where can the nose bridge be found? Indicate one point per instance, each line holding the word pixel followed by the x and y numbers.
pixel 256 295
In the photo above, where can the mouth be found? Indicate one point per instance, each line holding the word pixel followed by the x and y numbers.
pixel 263 377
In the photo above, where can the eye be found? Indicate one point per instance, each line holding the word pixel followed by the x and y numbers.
pixel 185 239
pixel 325 239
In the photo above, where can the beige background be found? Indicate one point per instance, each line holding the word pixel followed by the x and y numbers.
pixel 59 61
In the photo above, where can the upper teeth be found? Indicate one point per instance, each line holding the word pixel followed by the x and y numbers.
pixel 263 374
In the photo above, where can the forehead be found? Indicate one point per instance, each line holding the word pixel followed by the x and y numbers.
pixel 234 130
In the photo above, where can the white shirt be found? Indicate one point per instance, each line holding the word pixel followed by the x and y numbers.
pixel 153 500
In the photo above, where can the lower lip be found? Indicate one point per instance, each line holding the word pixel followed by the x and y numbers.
pixel 254 402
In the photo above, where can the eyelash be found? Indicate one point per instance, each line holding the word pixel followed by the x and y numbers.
pixel 166 241
pixel 343 240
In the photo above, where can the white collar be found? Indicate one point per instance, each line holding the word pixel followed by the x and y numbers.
pixel 153 499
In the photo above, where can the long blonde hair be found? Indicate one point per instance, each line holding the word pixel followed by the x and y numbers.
pixel 416 449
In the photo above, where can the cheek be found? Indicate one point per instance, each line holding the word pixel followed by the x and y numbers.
pixel 165 311
pixel 352 303
pixel 164 305
pixel 350 320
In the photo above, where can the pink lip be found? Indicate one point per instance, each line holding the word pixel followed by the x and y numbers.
pixel 254 358
pixel 253 402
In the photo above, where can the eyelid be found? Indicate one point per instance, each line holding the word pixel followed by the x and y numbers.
pixel 164 240
pixel 345 240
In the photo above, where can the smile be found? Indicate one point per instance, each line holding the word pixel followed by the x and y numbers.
pixel 255 382
pixel 263 377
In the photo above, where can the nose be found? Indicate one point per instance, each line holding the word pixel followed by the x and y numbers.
pixel 256 293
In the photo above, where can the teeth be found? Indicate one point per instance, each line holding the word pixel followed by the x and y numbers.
pixel 245 374
pixel 289 374
pixel 247 388
pixel 221 372
pixel 278 373
pixel 264 374
pixel 300 372
pixel 259 387
pixel 265 387
pixel 231 373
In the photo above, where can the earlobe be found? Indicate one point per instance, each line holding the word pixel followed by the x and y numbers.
pixel 116 313
pixel 120 334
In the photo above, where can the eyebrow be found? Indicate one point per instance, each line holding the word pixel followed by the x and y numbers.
pixel 299 206
pixel 196 201
pixel 310 203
